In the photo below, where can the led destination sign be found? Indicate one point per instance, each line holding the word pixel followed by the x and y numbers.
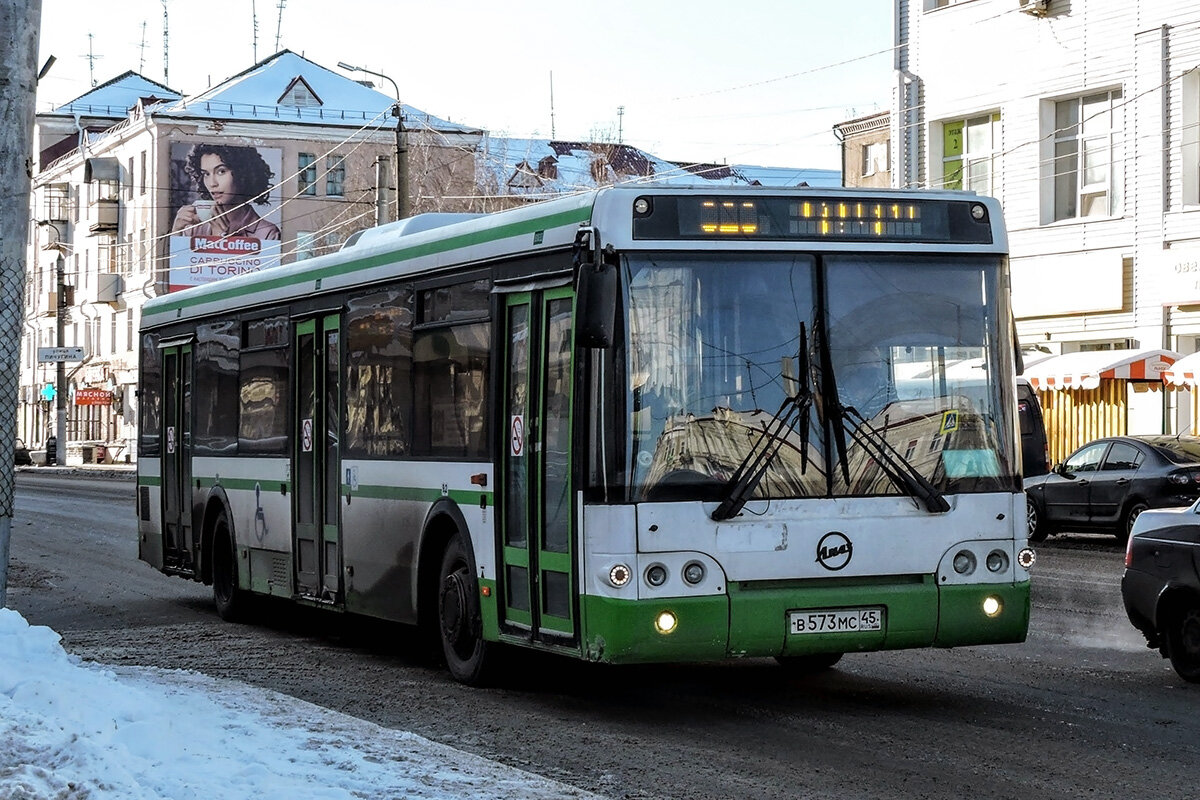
pixel 811 218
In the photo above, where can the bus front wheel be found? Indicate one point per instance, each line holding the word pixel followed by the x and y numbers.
pixel 468 656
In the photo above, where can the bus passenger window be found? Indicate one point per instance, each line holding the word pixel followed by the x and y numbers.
pixel 379 354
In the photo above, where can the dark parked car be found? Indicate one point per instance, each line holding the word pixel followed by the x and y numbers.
pixel 21 455
pixel 1161 588
pixel 1105 484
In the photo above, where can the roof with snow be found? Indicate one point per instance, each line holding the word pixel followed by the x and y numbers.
pixel 289 88
pixel 534 167
pixel 115 97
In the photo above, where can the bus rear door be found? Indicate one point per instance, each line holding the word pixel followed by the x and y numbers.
pixel 177 459
pixel 537 496
pixel 315 460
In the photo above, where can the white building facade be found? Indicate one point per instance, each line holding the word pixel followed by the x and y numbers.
pixel 1083 118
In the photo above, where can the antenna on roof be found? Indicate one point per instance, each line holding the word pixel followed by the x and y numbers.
pixel 92 58
pixel 166 51
pixel 142 50
pixel 279 24
pixel 254 23
pixel 551 104
pixel 620 124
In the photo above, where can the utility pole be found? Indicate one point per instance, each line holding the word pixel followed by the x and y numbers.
pixel 20 21
pixel 402 200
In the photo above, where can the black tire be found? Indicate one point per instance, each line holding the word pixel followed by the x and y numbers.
pixel 232 603
pixel 1183 642
pixel 809 665
pixel 1131 515
pixel 469 658
pixel 1035 518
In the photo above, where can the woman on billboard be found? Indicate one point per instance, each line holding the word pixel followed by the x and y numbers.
pixel 229 180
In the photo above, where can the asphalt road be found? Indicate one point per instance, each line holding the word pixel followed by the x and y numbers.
pixel 1082 709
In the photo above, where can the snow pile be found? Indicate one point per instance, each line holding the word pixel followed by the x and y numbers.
pixel 74 729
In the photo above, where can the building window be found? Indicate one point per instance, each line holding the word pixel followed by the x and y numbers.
pixel 129 180
pixel 335 176
pixel 306 245
pixel 1088 156
pixel 970 148
pixel 142 175
pixel 875 158
pixel 307 175
pixel 1190 138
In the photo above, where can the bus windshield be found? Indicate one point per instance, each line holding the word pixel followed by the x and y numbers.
pixel 803 376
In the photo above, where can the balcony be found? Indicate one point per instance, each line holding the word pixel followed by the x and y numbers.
pixel 104 216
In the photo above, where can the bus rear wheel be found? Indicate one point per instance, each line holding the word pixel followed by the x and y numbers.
pixel 468 656
pixel 231 602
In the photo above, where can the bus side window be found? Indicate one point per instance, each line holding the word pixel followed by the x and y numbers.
pixel 379 370
pixel 451 359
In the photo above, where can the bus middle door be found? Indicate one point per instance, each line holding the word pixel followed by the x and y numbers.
pixel 538 499
pixel 316 460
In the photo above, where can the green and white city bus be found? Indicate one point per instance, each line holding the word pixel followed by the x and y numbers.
pixel 642 424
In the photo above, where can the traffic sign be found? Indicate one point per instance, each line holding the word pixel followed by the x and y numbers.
pixel 46 354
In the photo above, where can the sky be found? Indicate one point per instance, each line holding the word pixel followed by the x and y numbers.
pixel 70 728
pixel 708 80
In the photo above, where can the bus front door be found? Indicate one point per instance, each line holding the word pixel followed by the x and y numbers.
pixel 538 506
pixel 177 459
pixel 315 460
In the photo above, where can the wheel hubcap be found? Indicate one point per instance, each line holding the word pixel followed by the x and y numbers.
pixel 454 604
pixel 1189 634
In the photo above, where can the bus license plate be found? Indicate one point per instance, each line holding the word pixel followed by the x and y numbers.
pixel 836 620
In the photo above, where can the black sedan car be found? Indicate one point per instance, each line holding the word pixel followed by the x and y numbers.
pixel 1161 586
pixel 1106 484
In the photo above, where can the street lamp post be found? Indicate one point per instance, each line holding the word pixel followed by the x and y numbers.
pixel 60 368
pixel 402 202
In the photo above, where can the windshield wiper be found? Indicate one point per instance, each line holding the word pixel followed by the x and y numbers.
pixel 901 472
pixel 830 410
pixel 750 472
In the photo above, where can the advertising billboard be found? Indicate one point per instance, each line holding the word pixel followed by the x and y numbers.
pixel 224 211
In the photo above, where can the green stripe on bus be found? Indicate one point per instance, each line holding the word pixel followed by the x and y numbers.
pixel 411 493
pixel 149 480
pixel 462 497
pixel 246 484
pixel 572 216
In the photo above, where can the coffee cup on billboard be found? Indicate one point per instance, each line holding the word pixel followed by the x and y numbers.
pixel 204 209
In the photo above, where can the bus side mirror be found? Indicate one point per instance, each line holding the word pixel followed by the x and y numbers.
pixel 597 300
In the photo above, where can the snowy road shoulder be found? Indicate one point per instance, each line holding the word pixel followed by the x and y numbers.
pixel 70 728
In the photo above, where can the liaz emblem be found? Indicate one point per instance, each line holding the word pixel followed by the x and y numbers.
pixel 834 551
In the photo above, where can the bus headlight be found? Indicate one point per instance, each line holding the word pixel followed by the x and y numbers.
pixel 992 605
pixel 665 622
pixel 1026 558
pixel 693 572
pixel 964 562
pixel 656 575
pixel 997 561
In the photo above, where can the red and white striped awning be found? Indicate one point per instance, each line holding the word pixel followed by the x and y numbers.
pixel 1086 370
pixel 1183 373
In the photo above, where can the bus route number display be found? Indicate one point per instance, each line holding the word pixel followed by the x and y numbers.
pixel 812 218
